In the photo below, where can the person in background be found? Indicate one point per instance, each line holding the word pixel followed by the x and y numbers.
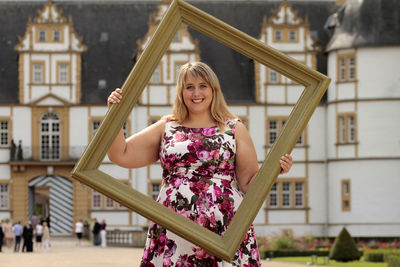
pixel 79 231
pixel 8 232
pixel 46 237
pixel 17 230
pixel 96 232
pixel 27 234
pixel 103 233
pixel 1 234
pixel 39 233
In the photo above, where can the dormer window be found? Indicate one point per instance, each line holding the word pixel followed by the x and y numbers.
pixel 102 84
pixel 56 36
pixel 277 35
pixel 292 35
pixel 42 36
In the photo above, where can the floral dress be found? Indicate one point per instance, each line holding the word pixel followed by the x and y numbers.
pixel 198 174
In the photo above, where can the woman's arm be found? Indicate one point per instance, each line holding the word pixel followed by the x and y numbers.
pixel 246 158
pixel 141 149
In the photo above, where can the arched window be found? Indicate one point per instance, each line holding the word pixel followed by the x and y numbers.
pixel 50 136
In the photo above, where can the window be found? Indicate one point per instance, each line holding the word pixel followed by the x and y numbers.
pixel 346 195
pixel 155 189
pixel 56 36
pixel 275 126
pixel 299 195
pixel 50 136
pixel 292 35
pixel 102 84
pixel 3 196
pixel 346 68
pixel 109 203
pixel 287 194
pixel 104 37
pixel 346 128
pixel 4 132
pixel 38 73
pixel 96 200
pixel 177 37
pixel 178 69
pixel 42 36
pixel 278 35
pixel 156 77
pixel 273 196
pixel 96 125
pixel 63 71
pixel 273 76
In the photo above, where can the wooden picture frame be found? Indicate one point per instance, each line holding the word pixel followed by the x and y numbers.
pixel 224 247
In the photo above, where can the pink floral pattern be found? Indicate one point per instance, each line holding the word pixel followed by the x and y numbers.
pixel 198 175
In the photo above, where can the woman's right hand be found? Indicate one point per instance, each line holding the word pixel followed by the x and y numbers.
pixel 115 97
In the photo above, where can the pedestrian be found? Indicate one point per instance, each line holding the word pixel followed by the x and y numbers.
pixel 39 234
pixel 1 234
pixel 103 233
pixel 8 232
pixel 17 230
pixel 46 237
pixel 96 232
pixel 203 148
pixel 79 231
pixel 27 234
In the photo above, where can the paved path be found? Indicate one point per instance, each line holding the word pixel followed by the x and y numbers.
pixel 64 252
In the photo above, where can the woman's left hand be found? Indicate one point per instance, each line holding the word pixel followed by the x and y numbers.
pixel 286 163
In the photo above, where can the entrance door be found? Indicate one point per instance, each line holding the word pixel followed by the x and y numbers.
pixel 58 191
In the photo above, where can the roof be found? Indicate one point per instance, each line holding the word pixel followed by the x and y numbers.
pixel 363 23
pixel 126 22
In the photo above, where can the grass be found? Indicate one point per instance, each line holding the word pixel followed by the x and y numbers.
pixel 320 262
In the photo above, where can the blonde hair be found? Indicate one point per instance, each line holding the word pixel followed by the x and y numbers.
pixel 219 109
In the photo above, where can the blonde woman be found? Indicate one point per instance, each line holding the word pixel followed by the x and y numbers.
pixel 46 237
pixel 203 148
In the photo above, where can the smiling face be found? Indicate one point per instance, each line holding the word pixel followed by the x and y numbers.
pixel 197 95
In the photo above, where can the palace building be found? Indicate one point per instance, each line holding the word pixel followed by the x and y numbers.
pixel 60 61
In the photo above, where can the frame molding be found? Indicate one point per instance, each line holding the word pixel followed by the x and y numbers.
pixel 224 247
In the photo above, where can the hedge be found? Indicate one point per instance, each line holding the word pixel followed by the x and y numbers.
pixel 394 261
pixel 292 253
pixel 380 255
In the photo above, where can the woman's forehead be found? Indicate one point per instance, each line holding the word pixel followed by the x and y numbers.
pixel 190 78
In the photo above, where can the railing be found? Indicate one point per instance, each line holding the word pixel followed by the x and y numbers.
pixel 35 153
pixel 119 238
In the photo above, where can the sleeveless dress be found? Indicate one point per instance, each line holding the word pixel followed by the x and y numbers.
pixel 198 174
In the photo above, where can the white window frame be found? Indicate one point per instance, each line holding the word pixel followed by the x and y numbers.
pixel 96 198
pixel 156 77
pixel 4 196
pixel 4 133
pixel 109 203
pixel 298 194
pixel 273 76
pixel 292 35
pixel 56 35
pixel 42 36
pixel 50 137
pixel 154 191
pixel 38 71
pixel 278 35
pixel 273 195
pixel 286 192
pixel 63 73
pixel 351 63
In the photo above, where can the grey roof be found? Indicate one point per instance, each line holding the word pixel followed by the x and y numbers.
pixel 361 23
pixel 126 22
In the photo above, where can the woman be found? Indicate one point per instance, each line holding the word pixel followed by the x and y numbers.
pixel 203 149
pixel 103 233
pixel 46 237
pixel 7 227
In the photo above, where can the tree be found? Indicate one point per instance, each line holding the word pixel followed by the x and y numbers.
pixel 344 248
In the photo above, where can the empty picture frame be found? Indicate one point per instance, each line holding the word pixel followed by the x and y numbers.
pixel 224 247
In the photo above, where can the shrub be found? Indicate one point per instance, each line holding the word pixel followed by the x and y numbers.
pixel 283 241
pixel 374 256
pixel 344 248
pixel 394 261
pixel 292 253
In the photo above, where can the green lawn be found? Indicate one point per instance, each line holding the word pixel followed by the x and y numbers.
pixel 320 262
